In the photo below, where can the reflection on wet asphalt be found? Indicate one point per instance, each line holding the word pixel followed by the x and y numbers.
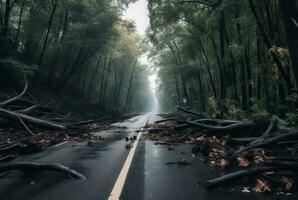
pixel 149 177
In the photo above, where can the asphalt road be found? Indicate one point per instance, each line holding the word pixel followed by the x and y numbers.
pixel 149 178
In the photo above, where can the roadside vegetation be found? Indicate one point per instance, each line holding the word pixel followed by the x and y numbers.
pixel 227 58
pixel 68 68
pixel 231 67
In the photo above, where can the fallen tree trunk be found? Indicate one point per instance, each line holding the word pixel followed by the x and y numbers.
pixel 285 164
pixel 28 166
pixel 217 122
pixel 265 143
pixel 236 175
pixel 33 120
pixel 165 120
pixel 263 137
pixel 230 129
pixel 245 140
pixel 10 148
pixel 191 112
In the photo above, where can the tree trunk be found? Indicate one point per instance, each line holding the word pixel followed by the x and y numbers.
pixel 119 86
pixel 19 24
pixel 93 79
pixel 289 11
pixel 222 69
pixel 130 83
pixel 54 8
pixel 8 7
pixel 201 93
pixel 106 81
pixel 269 44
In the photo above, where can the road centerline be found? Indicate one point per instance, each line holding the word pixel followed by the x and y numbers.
pixel 118 186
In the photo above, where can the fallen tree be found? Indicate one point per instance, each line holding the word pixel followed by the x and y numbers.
pixel 34 167
pixel 237 175
pixel 271 141
pixel 249 148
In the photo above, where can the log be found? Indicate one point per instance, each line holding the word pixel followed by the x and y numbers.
pixel 29 166
pixel 29 109
pixel 191 112
pixel 33 120
pixel 237 175
pixel 7 158
pixel 265 143
pixel 245 140
pixel 10 148
pixel 217 122
pixel 285 164
pixel 269 129
pixel 166 120
pixel 233 128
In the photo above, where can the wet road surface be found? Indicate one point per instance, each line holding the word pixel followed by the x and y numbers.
pixel 148 178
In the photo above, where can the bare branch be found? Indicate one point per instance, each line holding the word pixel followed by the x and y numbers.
pixel 18 96
pixel 295 22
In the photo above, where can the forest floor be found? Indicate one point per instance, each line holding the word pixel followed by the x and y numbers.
pixel 35 120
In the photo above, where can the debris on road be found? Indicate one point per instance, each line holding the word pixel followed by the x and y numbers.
pixel 182 162
pixel 35 167
pixel 29 126
pixel 260 153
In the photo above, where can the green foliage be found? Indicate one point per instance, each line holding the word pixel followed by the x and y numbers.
pixel 232 110
pixel 292 119
pixel 214 54
pixel 83 48
pixel 213 107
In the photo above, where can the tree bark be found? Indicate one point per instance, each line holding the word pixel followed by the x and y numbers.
pixel 289 12
pixel 54 8
pixel 8 7
pixel 19 24
pixel 130 83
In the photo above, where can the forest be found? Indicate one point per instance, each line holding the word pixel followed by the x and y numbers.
pixel 213 81
pixel 79 52
pixel 227 58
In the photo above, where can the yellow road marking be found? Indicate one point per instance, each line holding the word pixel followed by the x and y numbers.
pixel 60 144
pixel 118 187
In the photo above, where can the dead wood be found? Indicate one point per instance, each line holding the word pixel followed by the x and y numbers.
pixel 191 112
pixel 29 109
pixel 33 120
pixel 245 140
pixel 266 143
pixel 18 96
pixel 229 129
pixel 265 135
pixel 217 122
pixel 237 175
pixel 34 167
pixel 10 148
pixel 166 120
pixel 7 158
